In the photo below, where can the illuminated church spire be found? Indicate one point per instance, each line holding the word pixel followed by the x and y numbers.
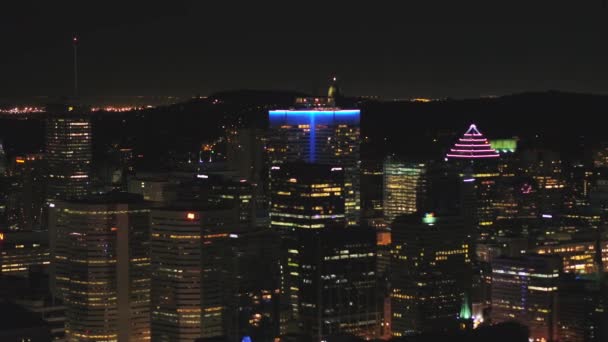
pixel 472 145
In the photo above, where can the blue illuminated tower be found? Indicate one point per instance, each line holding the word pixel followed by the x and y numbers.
pixel 320 133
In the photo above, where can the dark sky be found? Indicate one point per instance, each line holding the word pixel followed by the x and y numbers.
pixel 386 48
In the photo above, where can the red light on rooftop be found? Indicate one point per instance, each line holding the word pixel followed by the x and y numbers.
pixel 190 216
pixel 114 229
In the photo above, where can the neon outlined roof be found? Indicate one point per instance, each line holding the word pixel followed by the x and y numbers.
pixel 472 145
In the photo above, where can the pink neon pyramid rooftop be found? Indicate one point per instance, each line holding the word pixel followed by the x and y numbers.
pixel 472 145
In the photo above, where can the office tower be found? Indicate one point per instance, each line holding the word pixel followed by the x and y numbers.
pixel 235 195
pixel 383 276
pixel 320 134
pixel 430 273
pixel 68 151
pixel 100 252
pixel 249 272
pixel 29 195
pixel 525 290
pixel 9 203
pixel 3 160
pixel 153 187
pixel 481 166
pixel 372 192
pixel 240 282
pixel 245 153
pixel 472 145
pixel 544 167
pixel 403 188
pixel 176 248
pixel 18 324
pixel 580 310
pixel 600 156
pixel 118 164
pixel 246 156
pixel 306 196
pixel 332 283
pixel 22 252
pixel 577 257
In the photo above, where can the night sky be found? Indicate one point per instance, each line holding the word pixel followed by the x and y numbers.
pixel 438 49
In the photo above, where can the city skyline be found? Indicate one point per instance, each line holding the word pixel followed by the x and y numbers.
pixel 351 177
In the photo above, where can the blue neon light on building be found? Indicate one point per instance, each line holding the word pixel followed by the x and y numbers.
pixel 313 118
pixel 320 117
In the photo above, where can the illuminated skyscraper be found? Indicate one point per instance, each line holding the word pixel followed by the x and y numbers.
pixel 430 273
pixel 69 155
pixel 546 170
pixel 100 266
pixel 179 312
pixel 3 161
pixel 403 188
pixel 580 310
pixel 472 145
pixel 577 257
pixel 332 287
pixel 525 290
pixel 306 196
pixel 235 195
pixel 28 198
pixel 478 165
pixel 23 252
pixel 320 134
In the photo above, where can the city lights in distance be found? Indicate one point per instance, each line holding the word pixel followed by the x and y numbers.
pixel 22 110
pixel 190 216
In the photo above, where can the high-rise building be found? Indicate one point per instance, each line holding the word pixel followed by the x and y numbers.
pixel 28 198
pixel 3 160
pixel 178 310
pixel 246 266
pixel 320 134
pixel 235 195
pixel 577 257
pixel 306 196
pixel 524 290
pixel 332 287
pixel 245 153
pixel 545 168
pixel 372 192
pixel 600 156
pixel 69 153
pixel 580 310
pixel 489 177
pixel 22 252
pixel 403 188
pixel 472 145
pixel 100 253
pixel 430 273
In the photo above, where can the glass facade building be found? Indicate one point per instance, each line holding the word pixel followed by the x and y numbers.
pixel 323 136
pixel 100 267
pixel 403 185
pixel 69 155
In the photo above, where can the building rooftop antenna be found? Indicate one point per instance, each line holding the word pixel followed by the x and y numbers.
pixel 75 45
